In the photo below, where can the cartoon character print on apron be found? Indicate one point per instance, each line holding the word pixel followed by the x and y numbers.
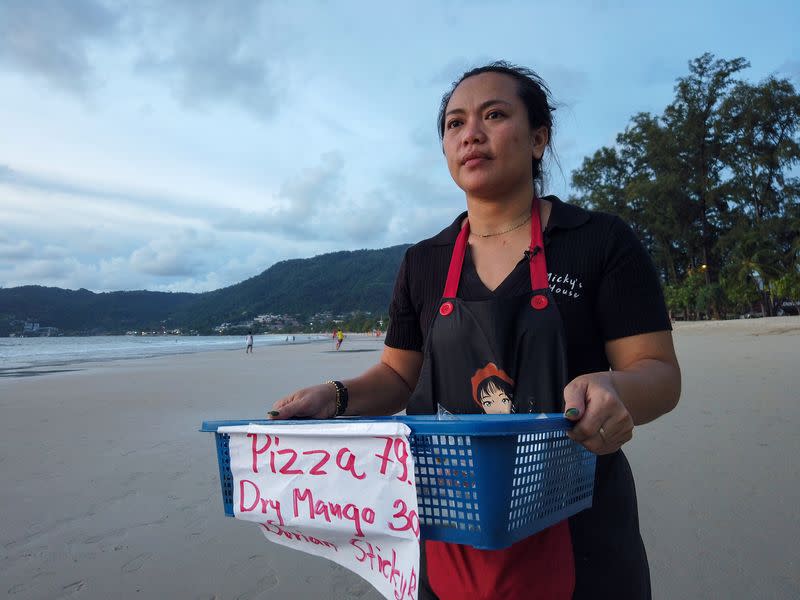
pixel 504 354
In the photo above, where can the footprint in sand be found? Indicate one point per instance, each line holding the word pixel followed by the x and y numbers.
pixel 135 563
pixel 104 536
pixel 73 588
pixel 263 588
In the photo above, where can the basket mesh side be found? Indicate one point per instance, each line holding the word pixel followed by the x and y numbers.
pixel 225 475
pixel 551 473
pixel 447 494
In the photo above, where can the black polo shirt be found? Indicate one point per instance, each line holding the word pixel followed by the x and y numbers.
pixel 600 275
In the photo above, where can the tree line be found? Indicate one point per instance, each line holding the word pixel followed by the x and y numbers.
pixel 710 187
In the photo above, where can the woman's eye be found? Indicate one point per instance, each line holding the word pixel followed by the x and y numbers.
pixel 454 123
pixel 495 114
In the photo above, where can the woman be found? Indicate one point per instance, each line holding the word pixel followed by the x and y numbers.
pixel 564 302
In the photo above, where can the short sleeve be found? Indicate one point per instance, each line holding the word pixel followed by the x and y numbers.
pixel 404 331
pixel 630 300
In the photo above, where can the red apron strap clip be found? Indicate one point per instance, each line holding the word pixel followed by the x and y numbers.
pixel 446 308
pixel 539 301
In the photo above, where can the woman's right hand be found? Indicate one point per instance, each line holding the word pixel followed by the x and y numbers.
pixel 315 402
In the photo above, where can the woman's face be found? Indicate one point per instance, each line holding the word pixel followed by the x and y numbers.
pixel 495 401
pixel 487 140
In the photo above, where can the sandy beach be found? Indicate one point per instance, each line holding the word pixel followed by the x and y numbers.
pixel 109 491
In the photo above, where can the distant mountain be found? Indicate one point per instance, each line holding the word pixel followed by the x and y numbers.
pixel 339 283
pixel 82 311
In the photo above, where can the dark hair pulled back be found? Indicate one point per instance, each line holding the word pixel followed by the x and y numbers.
pixel 531 89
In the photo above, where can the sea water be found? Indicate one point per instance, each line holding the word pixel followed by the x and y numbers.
pixel 21 356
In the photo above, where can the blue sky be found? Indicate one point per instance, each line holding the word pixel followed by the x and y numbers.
pixel 188 145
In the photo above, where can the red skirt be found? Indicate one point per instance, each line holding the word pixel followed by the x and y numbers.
pixel 540 566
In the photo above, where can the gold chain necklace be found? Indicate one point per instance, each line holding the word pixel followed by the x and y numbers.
pixel 509 230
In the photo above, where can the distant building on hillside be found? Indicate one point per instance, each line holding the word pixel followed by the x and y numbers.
pixel 31 328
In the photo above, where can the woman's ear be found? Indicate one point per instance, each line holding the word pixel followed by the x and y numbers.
pixel 539 139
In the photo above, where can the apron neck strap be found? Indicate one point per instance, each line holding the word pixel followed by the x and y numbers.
pixel 536 258
pixel 456 262
pixel 536 255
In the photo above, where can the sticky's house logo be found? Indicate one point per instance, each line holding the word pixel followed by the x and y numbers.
pixel 565 285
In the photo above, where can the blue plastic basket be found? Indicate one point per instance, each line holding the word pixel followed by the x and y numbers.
pixel 482 480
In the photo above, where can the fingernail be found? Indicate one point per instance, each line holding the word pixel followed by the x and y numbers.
pixel 572 412
pixel 273 413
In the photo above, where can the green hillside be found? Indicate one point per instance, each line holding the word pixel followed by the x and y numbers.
pixel 338 283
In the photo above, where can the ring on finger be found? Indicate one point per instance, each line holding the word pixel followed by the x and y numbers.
pixel 602 433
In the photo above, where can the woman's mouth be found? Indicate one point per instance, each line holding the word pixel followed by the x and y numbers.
pixel 473 159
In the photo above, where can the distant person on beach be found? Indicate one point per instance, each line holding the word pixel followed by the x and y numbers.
pixel 523 304
pixel 339 338
pixel 249 340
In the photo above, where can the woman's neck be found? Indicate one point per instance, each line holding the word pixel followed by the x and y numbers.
pixel 495 215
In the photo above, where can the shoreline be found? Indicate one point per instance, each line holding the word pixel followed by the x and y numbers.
pixel 756 326
pixel 60 365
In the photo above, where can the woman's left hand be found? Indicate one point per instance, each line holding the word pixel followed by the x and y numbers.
pixel 602 422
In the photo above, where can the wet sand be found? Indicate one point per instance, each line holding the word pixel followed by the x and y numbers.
pixel 109 491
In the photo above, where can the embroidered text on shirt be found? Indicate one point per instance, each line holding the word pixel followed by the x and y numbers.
pixel 565 285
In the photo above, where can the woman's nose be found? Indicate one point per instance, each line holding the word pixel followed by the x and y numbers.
pixel 473 132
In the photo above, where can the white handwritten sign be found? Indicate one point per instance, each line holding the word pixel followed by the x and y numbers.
pixel 344 491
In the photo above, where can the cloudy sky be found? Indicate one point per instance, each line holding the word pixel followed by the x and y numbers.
pixel 186 145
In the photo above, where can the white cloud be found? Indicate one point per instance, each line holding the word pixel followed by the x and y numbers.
pixel 209 52
pixel 53 39
pixel 304 204
pixel 10 250
pixel 177 255
pixel 206 52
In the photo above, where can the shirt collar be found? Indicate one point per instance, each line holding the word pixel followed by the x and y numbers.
pixel 562 216
pixel 565 216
